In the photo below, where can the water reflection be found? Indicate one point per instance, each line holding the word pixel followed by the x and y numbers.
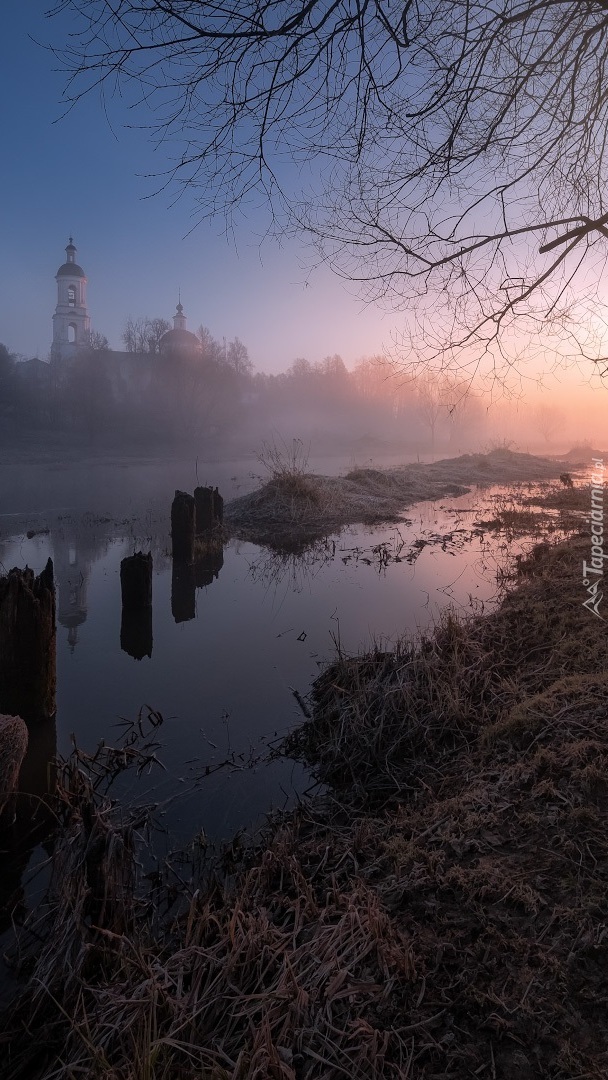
pixel 72 559
pixel 226 679
pixel 136 593
pixel 183 592
pixel 207 568
pixel 136 632
pixel 232 682
pixel 186 578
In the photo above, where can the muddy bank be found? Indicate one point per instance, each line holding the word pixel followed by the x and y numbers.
pixel 440 913
pixel 294 506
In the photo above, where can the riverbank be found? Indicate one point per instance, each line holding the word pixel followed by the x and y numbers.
pixel 294 507
pixel 441 912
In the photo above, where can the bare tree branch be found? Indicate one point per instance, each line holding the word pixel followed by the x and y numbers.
pixel 448 145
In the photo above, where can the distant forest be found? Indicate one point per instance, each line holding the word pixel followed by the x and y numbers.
pixel 216 397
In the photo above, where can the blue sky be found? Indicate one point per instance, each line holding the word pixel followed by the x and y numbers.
pixel 77 175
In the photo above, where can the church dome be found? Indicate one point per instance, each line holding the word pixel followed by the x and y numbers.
pixel 179 339
pixel 70 269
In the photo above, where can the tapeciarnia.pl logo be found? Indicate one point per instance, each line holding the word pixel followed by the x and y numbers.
pixel 593 572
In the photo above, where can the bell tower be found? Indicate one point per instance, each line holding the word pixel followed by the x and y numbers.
pixel 71 323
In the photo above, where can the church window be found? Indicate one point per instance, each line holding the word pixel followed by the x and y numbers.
pixel 71 332
pixel 72 295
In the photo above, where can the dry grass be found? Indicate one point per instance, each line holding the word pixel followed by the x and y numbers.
pixel 385 719
pixel 513 521
pixel 210 544
pixel 577 498
pixel 439 914
pixel 294 506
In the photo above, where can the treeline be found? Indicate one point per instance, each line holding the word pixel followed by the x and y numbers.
pixel 372 402
pixel 137 395
pixel 211 392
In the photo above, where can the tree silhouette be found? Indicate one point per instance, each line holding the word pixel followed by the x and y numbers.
pixel 462 146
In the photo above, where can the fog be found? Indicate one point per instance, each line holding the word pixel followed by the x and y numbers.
pixel 210 402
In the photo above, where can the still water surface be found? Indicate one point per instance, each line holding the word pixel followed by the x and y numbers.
pixel 262 626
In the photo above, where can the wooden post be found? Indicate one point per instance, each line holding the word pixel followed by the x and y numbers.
pixel 182 527
pixel 136 580
pixel 13 745
pixel 205 516
pixel 218 504
pixel 136 588
pixel 28 644
pixel 209 508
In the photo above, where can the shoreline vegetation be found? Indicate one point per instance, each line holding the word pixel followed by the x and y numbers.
pixel 294 507
pixel 440 912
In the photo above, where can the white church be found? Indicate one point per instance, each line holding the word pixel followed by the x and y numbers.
pixel 72 324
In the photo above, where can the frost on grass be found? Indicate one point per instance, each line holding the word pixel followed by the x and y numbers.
pixel 293 505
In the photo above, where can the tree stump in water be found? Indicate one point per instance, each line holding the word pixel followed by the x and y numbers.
pixel 136 580
pixel 209 508
pixel 136 589
pixel 28 644
pixel 183 527
pixel 13 745
pixel 218 503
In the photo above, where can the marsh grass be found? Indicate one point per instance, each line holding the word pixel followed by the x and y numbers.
pixel 293 506
pixel 383 719
pixel 440 912
pixel 542 509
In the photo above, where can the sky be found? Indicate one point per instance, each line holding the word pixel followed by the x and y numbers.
pixel 77 175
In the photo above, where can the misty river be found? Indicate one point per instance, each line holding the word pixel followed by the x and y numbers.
pixel 232 659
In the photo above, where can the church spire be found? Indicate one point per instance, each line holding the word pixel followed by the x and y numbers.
pixel 179 319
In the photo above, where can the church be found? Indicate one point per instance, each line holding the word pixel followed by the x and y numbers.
pixel 72 324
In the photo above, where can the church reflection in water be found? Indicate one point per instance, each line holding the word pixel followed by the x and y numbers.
pixel 73 557
pixel 72 561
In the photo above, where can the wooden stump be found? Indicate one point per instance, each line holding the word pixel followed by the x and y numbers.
pixel 13 745
pixel 136 581
pixel 136 588
pixel 30 816
pixel 209 508
pixel 183 527
pixel 28 644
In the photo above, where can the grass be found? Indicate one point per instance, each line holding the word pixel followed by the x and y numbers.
pixel 383 720
pixel 439 913
pixel 534 512
pixel 293 507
